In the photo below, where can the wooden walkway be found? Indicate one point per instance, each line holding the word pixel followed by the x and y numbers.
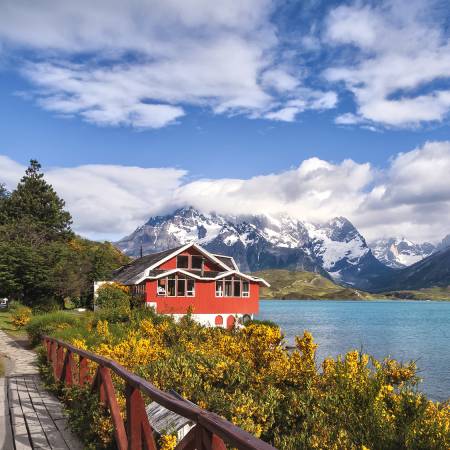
pixel 30 417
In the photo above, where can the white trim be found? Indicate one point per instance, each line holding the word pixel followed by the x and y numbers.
pixel 146 273
pixel 198 277
pixel 181 250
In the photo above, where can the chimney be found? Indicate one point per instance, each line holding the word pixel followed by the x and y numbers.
pixel 141 250
pixel 203 267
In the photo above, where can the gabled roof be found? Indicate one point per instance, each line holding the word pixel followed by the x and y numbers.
pixel 133 269
pixel 147 267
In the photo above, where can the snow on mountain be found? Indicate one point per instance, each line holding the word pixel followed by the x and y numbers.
pixel 337 240
pixel 257 242
pixel 400 252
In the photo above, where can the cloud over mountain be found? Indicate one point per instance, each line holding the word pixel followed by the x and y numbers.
pixel 411 197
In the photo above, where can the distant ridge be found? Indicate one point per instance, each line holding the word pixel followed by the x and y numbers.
pixel 335 249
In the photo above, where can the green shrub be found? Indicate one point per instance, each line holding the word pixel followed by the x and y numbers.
pixel 49 323
pixel 113 296
pixel 46 306
pixel 269 323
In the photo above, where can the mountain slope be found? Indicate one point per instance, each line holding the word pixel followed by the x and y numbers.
pixel 400 253
pixel 286 284
pixel 433 271
pixel 335 249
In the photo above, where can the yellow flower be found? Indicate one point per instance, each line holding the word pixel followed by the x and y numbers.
pixel 168 442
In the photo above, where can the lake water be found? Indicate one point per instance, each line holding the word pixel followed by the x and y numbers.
pixel 405 330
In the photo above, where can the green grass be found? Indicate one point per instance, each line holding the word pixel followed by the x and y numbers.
pixel 8 327
pixel 434 293
pixel 286 284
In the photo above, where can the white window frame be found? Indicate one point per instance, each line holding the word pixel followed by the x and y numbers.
pixel 245 294
pixel 171 278
pixel 161 291
pixel 219 292
pixel 191 292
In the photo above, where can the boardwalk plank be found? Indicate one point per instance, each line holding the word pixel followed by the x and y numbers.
pixel 37 417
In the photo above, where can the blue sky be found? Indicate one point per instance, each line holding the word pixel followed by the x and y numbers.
pixel 251 91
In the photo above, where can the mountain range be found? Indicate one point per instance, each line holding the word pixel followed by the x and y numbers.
pixel 335 249
pixel 399 253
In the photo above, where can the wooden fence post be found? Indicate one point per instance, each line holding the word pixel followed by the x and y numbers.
pixel 138 426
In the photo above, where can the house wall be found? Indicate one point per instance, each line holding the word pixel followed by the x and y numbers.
pixel 209 320
pixel 205 300
pixel 172 263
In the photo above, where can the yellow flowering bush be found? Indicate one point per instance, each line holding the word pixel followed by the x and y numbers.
pixel 21 316
pixel 284 397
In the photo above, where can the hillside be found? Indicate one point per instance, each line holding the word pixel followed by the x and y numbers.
pixel 287 284
pixel 433 271
pixel 435 293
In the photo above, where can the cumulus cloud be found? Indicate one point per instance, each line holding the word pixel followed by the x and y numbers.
pixel 106 201
pixel 400 53
pixel 140 62
pixel 410 197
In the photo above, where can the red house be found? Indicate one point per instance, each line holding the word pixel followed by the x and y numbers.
pixel 191 278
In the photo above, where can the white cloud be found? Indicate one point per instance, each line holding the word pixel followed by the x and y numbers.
pixel 139 62
pixel 348 119
pixel 399 53
pixel 106 201
pixel 411 197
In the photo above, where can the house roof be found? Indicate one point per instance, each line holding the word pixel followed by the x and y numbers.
pixel 126 274
pixel 146 267
pixel 228 261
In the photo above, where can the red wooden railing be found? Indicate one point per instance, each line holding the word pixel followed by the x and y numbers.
pixel 211 432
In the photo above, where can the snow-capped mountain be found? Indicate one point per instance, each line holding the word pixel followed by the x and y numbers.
pixel 257 242
pixel 400 253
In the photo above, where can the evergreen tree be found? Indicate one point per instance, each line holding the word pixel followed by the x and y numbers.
pixel 4 195
pixel 41 261
pixel 35 200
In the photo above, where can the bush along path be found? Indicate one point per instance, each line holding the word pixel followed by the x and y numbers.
pixel 30 417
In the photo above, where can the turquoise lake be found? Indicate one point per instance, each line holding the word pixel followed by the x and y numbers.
pixel 405 330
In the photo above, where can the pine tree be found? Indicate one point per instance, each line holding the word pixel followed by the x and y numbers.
pixel 36 201
pixel 4 195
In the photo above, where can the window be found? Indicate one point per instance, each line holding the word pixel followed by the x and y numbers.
pixel 237 288
pixel 219 288
pixel 228 287
pixel 176 286
pixel 162 286
pixel 190 291
pixel 182 261
pixel 245 289
pixel 171 287
pixel 181 287
pixel 196 262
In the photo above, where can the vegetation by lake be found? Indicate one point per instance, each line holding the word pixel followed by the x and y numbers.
pixel 300 285
pixel 288 284
pixel 434 293
pixel 246 375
